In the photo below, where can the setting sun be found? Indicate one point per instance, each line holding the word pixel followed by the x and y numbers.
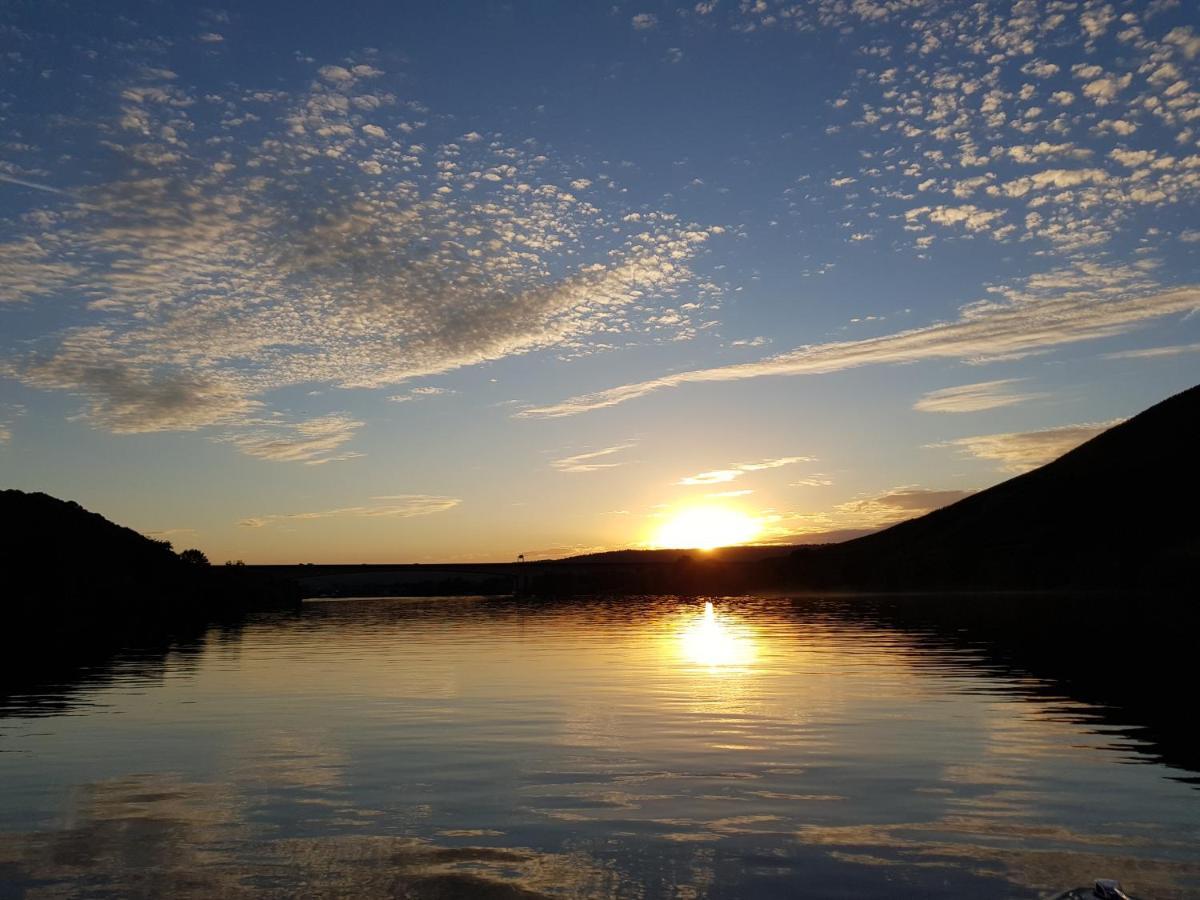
pixel 706 527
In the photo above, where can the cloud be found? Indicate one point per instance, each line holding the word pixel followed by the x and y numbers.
pixel 952 111
pixel 864 514
pixel 719 476
pixel 36 185
pixel 1103 91
pixel 586 462
pixel 336 74
pixel 1058 308
pixel 31 267
pixel 334 249
pixel 893 506
pixel 644 21
pixel 127 397
pixel 971 217
pixel 817 479
pixel 419 392
pixel 716 476
pixel 1025 450
pixel 168 533
pixel 1155 352
pixel 398 506
pixel 973 397
pixel 312 442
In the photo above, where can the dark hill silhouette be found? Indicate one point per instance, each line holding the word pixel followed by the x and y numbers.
pixel 72 568
pixel 1118 511
pixel 748 553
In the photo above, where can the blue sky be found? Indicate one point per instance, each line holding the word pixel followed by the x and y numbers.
pixel 402 282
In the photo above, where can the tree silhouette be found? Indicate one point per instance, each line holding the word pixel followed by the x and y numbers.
pixel 194 557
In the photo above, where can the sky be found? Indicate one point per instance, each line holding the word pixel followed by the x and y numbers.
pixel 403 282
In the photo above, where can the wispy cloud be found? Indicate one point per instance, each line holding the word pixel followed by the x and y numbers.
pixel 419 392
pixel 893 506
pixel 737 470
pixel 862 514
pixel 312 442
pixel 1023 450
pixel 1155 352
pixel 168 533
pixel 1024 322
pixel 37 186
pixel 398 506
pixel 973 397
pixel 587 462
pixel 817 479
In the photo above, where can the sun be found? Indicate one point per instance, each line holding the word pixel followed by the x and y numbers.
pixel 706 527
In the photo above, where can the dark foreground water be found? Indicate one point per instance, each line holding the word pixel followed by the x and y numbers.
pixel 640 748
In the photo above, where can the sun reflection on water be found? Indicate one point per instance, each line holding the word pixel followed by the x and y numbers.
pixel 713 640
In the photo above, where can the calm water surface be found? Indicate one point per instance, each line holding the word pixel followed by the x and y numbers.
pixel 641 748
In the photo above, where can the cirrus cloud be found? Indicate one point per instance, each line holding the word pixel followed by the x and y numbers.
pixel 973 397
pixel 1059 308
pixel 396 506
pixel 719 476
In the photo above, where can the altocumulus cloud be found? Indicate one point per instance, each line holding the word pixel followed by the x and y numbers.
pixel 398 506
pixel 334 245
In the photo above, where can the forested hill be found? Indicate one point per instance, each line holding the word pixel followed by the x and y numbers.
pixel 60 560
pixel 1117 511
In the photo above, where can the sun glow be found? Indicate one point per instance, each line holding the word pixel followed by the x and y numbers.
pixel 706 527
